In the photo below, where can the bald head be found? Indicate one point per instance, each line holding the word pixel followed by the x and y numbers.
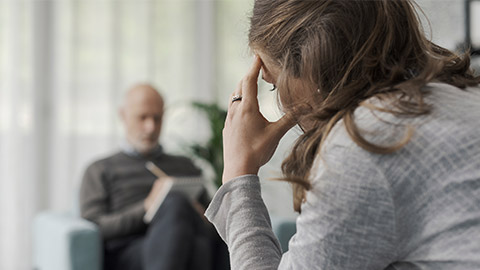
pixel 141 113
pixel 141 93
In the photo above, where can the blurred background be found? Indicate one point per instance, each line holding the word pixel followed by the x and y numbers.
pixel 65 64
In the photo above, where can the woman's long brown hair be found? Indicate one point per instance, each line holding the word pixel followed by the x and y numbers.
pixel 345 52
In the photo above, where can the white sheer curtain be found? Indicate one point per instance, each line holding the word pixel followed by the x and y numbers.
pixel 64 65
pixel 19 141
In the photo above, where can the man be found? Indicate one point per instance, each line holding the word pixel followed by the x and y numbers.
pixel 117 191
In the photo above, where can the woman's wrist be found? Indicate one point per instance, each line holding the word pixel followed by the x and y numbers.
pixel 233 172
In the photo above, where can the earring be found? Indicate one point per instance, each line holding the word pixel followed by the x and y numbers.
pixel 274 87
pixel 318 90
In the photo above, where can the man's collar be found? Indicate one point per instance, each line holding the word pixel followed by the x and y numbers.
pixel 129 150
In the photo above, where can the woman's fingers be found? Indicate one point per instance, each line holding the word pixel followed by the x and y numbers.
pixel 247 90
pixel 249 139
pixel 238 92
pixel 249 87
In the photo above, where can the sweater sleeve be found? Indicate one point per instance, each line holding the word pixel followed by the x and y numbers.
pixel 94 197
pixel 347 221
pixel 241 218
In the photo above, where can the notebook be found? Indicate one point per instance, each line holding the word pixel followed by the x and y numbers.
pixel 190 186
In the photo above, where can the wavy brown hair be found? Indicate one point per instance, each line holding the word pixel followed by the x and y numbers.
pixel 345 52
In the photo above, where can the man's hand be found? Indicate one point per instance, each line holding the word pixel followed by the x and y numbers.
pixel 156 189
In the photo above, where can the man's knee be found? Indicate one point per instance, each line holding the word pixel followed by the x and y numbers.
pixel 175 208
pixel 178 201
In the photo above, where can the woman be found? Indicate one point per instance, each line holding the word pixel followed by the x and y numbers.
pixel 387 172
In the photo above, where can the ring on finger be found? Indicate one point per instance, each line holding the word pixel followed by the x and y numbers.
pixel 236 98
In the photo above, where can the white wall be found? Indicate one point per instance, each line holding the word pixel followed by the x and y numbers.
pixel 447 21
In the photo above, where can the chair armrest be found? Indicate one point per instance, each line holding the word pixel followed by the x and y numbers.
pixel 284 228
pixel 66 242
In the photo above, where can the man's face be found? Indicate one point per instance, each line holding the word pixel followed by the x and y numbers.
pixel 142 117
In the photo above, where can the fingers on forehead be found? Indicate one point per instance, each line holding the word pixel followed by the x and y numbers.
pixel 256 66
pixel 250 80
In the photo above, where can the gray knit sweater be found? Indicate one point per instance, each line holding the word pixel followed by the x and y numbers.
pixel 113 190
pixel 418 208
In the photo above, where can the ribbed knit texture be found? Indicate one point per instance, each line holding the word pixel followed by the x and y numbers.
pixel 113 190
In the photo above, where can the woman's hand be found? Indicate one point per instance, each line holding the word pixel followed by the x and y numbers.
pixel 249 140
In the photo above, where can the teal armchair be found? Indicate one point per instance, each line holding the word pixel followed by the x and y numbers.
pixel 68 242
pixel 284 228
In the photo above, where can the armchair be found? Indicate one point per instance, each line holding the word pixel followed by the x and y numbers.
pixel 64 241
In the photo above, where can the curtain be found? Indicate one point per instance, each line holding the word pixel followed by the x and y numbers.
pixel 64 66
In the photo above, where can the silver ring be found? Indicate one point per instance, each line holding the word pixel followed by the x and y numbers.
pixel 236 98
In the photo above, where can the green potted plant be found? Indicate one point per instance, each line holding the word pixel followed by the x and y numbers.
pixel 212 151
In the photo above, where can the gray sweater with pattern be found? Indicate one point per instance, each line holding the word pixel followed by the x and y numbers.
pixel 418 208
pixel 114 188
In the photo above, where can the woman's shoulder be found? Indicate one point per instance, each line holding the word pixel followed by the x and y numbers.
pixel 450 129
pixel 450 107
